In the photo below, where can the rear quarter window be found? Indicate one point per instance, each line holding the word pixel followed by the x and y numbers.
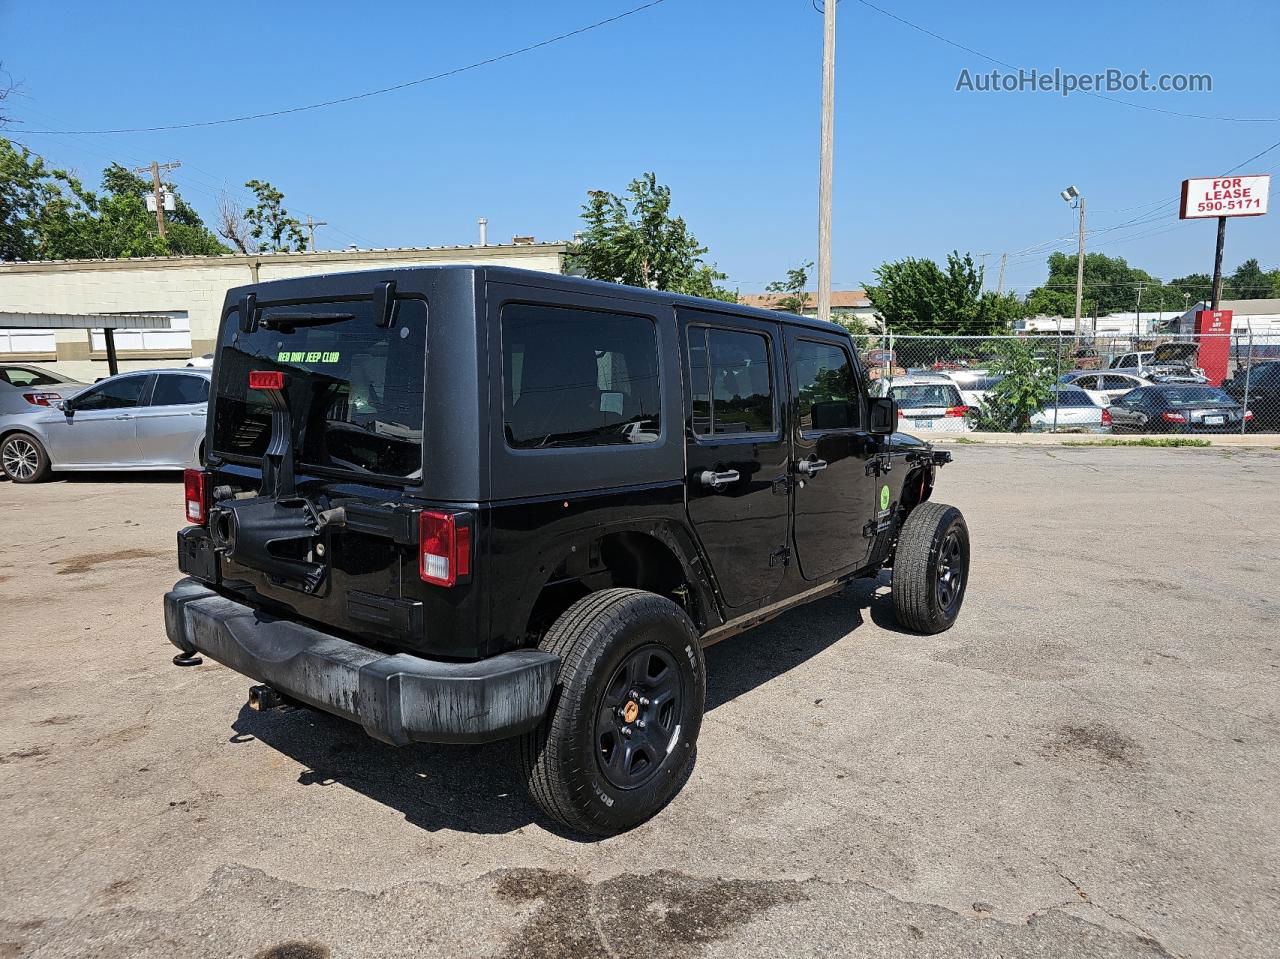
pixel 578 378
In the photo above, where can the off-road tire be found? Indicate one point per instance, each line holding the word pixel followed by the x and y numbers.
pixel 919 601
pixel 16 455
pixel 562 761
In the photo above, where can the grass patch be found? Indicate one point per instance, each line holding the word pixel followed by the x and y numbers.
pixel 1145 441
pixel 965 441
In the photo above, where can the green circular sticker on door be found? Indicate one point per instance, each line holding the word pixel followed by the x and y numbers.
pixel 884 497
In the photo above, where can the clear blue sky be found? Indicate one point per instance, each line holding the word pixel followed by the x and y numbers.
pixel 719 97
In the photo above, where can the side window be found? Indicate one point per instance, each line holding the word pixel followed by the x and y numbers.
pixel 827 394
pixel 179 389
pixel 1116 383
pixel 1086 382
pixel 732 383
pixel 574 377
pixel 114 395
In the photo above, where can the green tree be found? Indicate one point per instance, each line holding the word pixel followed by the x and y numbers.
pixel 1248 282
pixel 48 214
pixel 919 297
pixel 794 299
pixel 272 228
pixel 1198 285
pixel 1110 286
pixel 635 240
pixel 1026 389
pixel 29 192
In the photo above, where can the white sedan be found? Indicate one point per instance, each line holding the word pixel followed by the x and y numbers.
pixel 1071 410
pixel 1105 386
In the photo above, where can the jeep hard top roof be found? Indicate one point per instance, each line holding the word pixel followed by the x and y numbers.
pixel 360 280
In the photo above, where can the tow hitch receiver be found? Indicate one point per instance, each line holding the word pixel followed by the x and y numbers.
pixel 262 698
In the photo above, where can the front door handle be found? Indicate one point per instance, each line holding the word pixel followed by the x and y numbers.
pixel 122 416
pixel 718 480
pixel 811 468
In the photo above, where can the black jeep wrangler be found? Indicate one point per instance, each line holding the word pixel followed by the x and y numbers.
pixel 457 504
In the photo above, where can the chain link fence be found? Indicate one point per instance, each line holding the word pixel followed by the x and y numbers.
pixel 1166 383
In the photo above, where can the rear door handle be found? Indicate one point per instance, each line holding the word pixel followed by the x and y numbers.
pixel 717 481
pixel 811 467
pixel 122 416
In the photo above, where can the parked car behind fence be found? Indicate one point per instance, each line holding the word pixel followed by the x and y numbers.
pixel 1178 408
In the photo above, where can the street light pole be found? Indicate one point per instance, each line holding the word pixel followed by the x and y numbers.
pixel 824 175
pixel 1072 196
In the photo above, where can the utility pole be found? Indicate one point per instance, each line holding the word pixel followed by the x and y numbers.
pixel 824 175
pixel 1137 318
pixel 1079 275
pixel 311 230
pixel 982 270
pixel 1217 263
pixel 1000 281
pixel 157 187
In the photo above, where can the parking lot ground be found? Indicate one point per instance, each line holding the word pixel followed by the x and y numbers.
pixel 1086 765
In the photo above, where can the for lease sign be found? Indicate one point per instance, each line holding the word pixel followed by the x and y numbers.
pixel 1225 196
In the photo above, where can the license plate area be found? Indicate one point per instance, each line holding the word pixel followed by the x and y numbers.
pixel 1214 420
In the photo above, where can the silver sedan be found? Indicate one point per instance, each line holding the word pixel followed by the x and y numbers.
pixel 151 420
pixel 23 387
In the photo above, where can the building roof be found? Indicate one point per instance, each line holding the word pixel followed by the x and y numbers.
pixel 82 321
pixel 1243 307
pixel 847 299
pixel 394 252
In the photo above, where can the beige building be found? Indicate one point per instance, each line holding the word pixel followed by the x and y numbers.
pixel 190 291
pixel 845 305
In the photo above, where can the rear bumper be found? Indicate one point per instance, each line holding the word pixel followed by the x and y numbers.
pixel 397 698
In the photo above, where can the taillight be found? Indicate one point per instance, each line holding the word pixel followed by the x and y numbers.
pixel 266 380
pixel 193 482
pixel 1106 417
pixel 957 411
pixel 1173 417
pixel 444 547
pixel 41 399
pixel 1248 414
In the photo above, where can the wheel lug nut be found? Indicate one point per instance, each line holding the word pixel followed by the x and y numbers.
pixel 642 701
pixel 626 730
pixel 640 723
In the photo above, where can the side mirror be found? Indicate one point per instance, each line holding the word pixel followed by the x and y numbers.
pixel 883 414
pixel 67 406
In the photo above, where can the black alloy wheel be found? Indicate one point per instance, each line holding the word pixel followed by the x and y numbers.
pixel 638 717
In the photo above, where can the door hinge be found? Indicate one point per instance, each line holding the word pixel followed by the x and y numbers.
pixel 780 557
pixel 882 463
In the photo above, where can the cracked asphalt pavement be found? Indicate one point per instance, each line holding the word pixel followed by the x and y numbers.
pixel 1086 765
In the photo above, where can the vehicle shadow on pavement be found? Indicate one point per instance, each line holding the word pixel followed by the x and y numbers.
pixel 479 788
pixel 467 788
pixel 751 659
pixel 120 477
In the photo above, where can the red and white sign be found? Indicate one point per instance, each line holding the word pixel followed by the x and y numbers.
pixel 1214 196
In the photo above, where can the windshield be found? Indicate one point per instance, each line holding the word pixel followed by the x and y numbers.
pixel 1193 396
pixel 354 389
pixel 913 397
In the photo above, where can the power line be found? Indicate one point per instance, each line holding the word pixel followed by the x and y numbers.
pixel 368 93
pixel 1091 93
